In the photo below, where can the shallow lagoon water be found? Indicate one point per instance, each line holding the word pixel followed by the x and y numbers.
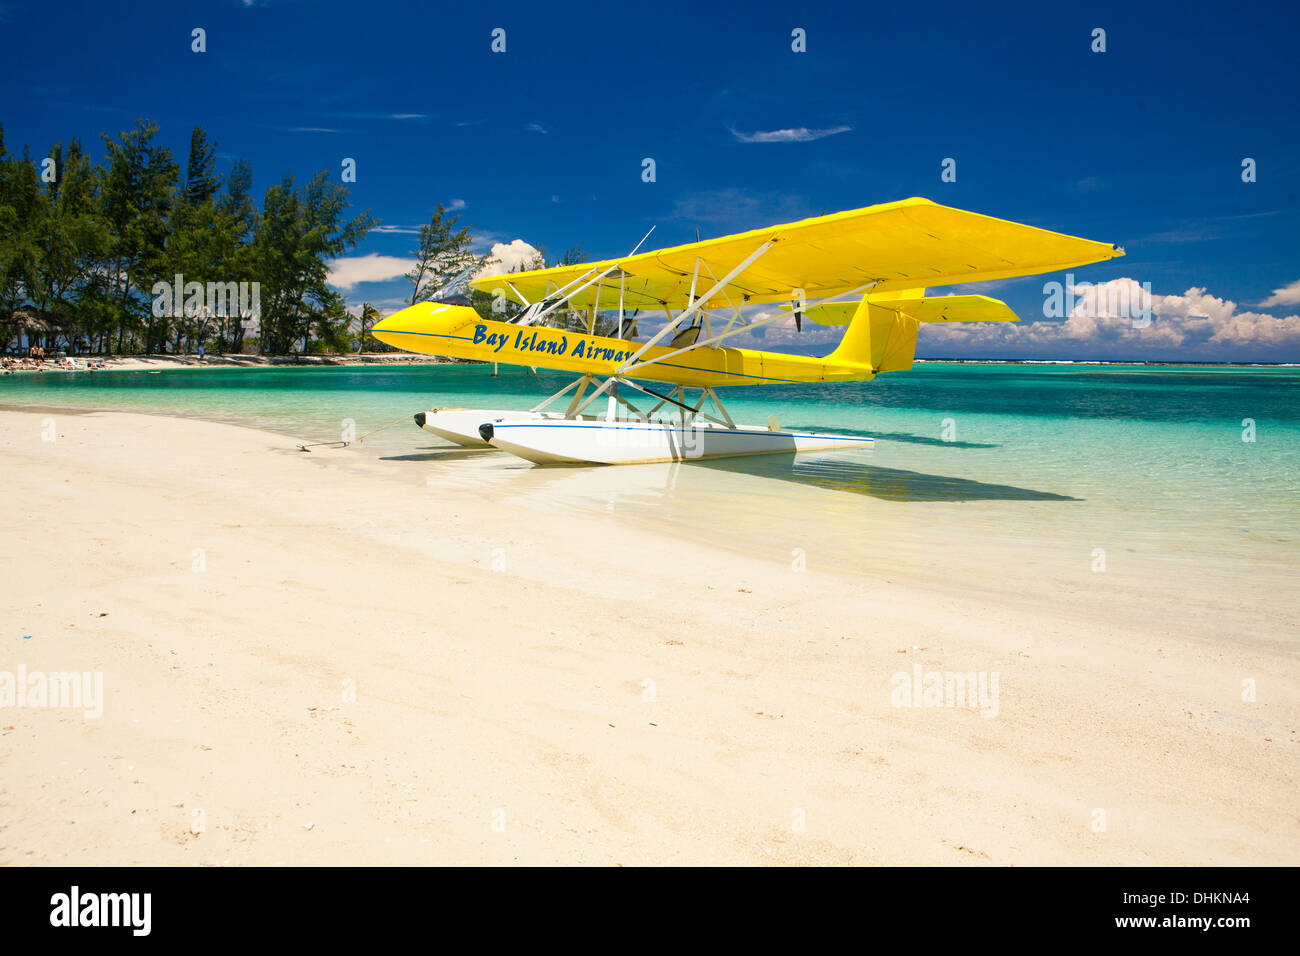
pixel 1048 456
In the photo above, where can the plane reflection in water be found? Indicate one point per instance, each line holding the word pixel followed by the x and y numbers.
pixel 849 473
pixel 889 484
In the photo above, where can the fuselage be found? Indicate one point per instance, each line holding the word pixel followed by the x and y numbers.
pixel 458 331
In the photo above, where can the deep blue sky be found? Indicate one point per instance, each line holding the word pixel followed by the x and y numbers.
pixel 1141 145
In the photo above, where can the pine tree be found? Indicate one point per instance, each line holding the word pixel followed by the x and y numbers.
pixel 139 191
pixel 201 183
pixel 441 255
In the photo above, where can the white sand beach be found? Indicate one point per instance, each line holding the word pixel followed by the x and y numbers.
pixel 179 362
pixel 322 658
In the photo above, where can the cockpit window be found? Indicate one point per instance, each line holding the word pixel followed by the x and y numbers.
pixel 457 291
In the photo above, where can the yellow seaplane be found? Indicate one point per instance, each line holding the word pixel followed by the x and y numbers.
pixel 866 269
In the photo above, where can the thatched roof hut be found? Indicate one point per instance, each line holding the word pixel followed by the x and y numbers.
pixel 32 320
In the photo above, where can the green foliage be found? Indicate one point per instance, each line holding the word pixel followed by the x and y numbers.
pixel 19 198
pixel 333 325
pixel 441 255
pixel 300 230
pixel 84 246
pixel 201 182
pixel 365 341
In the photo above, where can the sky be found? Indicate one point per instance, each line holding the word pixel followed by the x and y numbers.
pixel 544 145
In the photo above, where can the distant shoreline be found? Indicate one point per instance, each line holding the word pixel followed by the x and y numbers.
pixel 155 363
pixel 969 361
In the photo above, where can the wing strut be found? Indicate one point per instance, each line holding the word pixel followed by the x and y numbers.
pixel 693 308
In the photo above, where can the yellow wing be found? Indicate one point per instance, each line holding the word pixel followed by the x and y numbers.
pixel 941 308
pixel 899 246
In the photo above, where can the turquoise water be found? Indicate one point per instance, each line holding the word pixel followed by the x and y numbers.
pixel 1154 454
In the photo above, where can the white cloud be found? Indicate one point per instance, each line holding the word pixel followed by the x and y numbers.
pixel 510 255
pixel 801 134
pixel 350 272
pixel 381 116
pixel 536 128
pixel 456 205
pixel 386 306
pixel 302 129
pixel 1194 326
pixel 1287 295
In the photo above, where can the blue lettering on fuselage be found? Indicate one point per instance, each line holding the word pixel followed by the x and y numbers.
pixel 496 339
pixel 535 343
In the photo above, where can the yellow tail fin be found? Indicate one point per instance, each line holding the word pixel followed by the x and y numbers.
pixel 879 338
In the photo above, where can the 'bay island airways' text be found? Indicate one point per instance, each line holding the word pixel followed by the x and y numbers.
pixel 536 343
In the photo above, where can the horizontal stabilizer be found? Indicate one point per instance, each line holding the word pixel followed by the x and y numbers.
pixel 935 308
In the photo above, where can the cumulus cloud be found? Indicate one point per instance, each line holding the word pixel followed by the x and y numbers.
pixel 510 255
pixel 801 134
pixel 1287 295
pixel 1194 326
pixel 349 272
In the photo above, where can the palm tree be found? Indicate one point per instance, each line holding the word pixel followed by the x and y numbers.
pixel 369 316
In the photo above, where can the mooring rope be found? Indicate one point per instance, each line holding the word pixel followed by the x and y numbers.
pixel 344 444
pixel 404 418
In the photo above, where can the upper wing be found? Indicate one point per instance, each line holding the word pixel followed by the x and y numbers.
pixel 898 245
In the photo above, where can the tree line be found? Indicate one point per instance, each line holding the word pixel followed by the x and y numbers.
pixel 83 246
